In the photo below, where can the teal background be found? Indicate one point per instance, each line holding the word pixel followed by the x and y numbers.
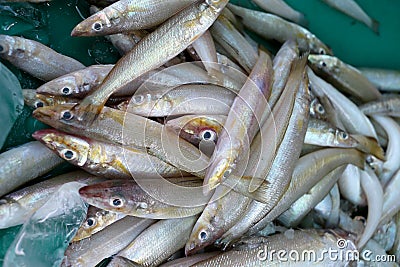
pixel 51 24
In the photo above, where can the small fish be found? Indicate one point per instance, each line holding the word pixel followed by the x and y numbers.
pixel 76 84
pixel 198 128
pixel 182 100
pixel 388 105
pixel 129 15
pixel 25 163
pixel 344 77
pixel 242 123
pixel 155 244
pixel 104 159
pixel 96 220
pixel 273 27
pixel 161 45
pixel 383 79
pixel 35 58
pixel 280 8
pixel 128 197
pixel 352 9
pixel 104 244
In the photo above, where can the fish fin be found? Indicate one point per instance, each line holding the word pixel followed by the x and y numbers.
pixel 86 111
pixel 260 194
pixel 375 26
pixel 302 21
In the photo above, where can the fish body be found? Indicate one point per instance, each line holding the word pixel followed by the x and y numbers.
pixel 352 9
pixel 383 79
pixel 388 105
pixel 35 58
pixel 280 8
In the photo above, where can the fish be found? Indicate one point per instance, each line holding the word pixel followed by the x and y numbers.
pixel 273 27
pixel 182 100
pixel 353 10
pixel 118 261
pixel 104 159
pixel 35 58
pixel 96 220
pixel 126 15
pixel 77 83
pixel 391 205
pixel 34 100
pixel 155 244
pixel 167 41
pixel 263 251
pixel 242 123
pixel 344 77
pixel 205 49
pixel 198 128
pixel 104 244
pixel 130 198
pixel 17 206
pixel 280 8
pixel 388 105
pixel 383 79
pixel 131 131
pixel 25 163
pixel 234 43
pixel 189 261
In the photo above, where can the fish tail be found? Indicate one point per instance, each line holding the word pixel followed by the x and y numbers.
pixel 301 20
pixel 375 26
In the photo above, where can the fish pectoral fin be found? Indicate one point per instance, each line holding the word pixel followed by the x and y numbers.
pixel 86 112
pixel 119 165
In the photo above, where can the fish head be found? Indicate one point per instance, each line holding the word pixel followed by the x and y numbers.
pixel 6 46
pixel 323 63
pixel 217 5
pixel 94 222
pixel 345 139
pixel 110 195
pixel 72 148
pixel 317 110
pixel 32 99
pixel 205 232
pixel 61 117
pixel 317 46
pixel 11 213
pixel 96 25
pixel 62 86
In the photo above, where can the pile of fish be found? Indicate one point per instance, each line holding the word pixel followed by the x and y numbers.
pixel 199 147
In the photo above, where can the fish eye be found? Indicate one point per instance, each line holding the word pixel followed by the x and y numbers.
pixel 66 90
pixel 68 154
pixel 369 160
pixel 67 115
pixel 227 173
pixel 343 135
pixel 203 235
pixel 208 135
pixel 138 99
pixel 116 202
pixel 322 63
pixel 39 104
pixel 90 222
pixel 320 109
pixel 2 49
pixel 142 205
pixel 97 26
pixel 322 51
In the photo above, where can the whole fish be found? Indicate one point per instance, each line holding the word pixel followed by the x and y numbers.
pixel 35 58
pixel 129 15
pixel 25 163
pixel 261 251
pixel 155 244
pixel 344 77
pixel 389 105
pixel 383 79
pixel 129 130
pixel 352 9
pixel 167 41
pixel 17 206
pixel 273 27
pixel 242 123
pixel 104 159
pixel 96 220
pixel 104 244
pixel 280 8
pixel 128 197
pixel 197 128
pixel 183 100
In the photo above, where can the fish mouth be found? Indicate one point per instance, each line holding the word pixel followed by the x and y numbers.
pixel 40 134
pixel 44 114
pixel 78 31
